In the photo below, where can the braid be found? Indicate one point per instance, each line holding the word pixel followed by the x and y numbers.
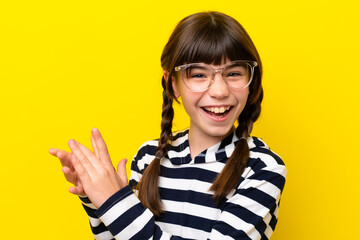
pixel 148 186
pixel 166 122
pixel 193 41
pixel 229 177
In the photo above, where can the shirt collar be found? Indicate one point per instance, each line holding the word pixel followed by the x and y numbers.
pixel 179 152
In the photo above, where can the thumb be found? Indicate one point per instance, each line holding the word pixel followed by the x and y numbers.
pixel 121 171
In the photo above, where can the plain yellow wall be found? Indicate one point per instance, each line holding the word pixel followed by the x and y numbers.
pixel 68 66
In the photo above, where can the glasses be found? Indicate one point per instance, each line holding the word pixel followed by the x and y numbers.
pixel 199 76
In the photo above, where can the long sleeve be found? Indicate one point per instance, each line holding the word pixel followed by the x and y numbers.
pixel 250 211
pixel 123 214
pixel 99 230
pixel 127 218
pixel 246 215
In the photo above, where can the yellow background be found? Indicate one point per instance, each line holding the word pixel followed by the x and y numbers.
pixel 68 66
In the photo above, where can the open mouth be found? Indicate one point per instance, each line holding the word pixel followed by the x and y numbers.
pixel 218 112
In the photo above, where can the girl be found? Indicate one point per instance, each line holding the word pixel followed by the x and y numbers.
pixel 211 181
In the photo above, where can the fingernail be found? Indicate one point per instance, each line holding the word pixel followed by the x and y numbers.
pixel 95 129
pixel 71 142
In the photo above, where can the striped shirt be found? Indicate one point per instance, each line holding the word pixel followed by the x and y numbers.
pixel 249 212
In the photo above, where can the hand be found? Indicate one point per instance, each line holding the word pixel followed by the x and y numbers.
pixel 68 170
pixel 95 170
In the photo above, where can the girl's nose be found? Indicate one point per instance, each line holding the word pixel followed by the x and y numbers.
pixel 218 88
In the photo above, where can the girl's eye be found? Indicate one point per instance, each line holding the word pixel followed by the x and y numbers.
pixel 235 74
pixel 198 75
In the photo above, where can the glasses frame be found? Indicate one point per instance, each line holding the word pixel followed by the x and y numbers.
pixel 251 64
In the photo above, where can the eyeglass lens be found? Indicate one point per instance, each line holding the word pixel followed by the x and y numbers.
pixel 199 76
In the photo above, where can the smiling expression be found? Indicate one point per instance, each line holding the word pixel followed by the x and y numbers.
pixel 214 111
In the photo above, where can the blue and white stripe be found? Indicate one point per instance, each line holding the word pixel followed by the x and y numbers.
pixel 249 212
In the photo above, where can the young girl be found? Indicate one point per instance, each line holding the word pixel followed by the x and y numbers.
pixel 211 181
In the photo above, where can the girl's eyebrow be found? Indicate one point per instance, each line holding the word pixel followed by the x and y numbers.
pixel 198 67
pixel 235 65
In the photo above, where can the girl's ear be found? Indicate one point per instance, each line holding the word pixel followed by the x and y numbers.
pixel 173 83
pixel 166 75
pixel 175 88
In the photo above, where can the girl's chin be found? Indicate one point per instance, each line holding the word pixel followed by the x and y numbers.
pixel 220 132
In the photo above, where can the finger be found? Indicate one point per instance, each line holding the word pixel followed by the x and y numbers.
pixel 121 171
pixel 94 147
pixel 53 151
pixel 77 190
pixel 80 170
pixel 101 147
pixel 81 157
pixel 70 175
pixel 63 156
pixel 90 156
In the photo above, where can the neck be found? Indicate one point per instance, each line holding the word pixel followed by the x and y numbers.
pixel 199 141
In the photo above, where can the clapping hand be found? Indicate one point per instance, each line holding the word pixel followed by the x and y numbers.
pixel 92 172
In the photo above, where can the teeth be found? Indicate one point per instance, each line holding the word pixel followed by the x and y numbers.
pixel 217 109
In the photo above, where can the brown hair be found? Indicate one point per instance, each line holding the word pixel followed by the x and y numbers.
pixel 207 37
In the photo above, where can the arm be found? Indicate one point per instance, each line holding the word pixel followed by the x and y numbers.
pixel 124 215
pixel 250 213
pixel 98 228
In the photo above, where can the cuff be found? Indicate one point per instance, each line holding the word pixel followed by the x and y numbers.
pixel 113 200
pixel 87 202
pixel 123 214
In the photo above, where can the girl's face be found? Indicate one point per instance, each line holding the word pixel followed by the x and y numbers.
pixel 212 112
